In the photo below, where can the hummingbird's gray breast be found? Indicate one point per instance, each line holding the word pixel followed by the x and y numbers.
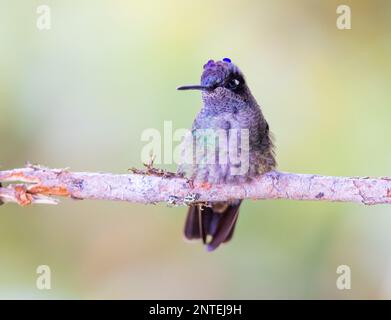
pixel 226 146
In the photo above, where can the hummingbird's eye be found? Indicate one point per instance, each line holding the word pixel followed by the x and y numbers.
pixel 233 84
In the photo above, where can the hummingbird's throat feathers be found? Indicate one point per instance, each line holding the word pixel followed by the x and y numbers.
pixel 224 100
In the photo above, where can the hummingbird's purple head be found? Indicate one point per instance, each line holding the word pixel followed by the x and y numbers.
pixel 216 73
pixel 219 74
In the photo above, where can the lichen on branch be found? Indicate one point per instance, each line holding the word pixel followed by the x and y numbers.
pixel 35 184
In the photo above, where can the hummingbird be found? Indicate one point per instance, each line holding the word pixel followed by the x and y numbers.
pixel 229 108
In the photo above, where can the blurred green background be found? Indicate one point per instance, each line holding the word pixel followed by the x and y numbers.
pixel 80 94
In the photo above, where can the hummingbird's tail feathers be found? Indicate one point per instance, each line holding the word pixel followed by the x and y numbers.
pixel 192 225
pixel 223 225
pixel 217 222
pixel 231 233
pixel 198 222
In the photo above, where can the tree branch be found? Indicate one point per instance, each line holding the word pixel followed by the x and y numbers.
pixel 38 185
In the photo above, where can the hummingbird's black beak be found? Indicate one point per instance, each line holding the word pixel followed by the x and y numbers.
pixel 194 87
